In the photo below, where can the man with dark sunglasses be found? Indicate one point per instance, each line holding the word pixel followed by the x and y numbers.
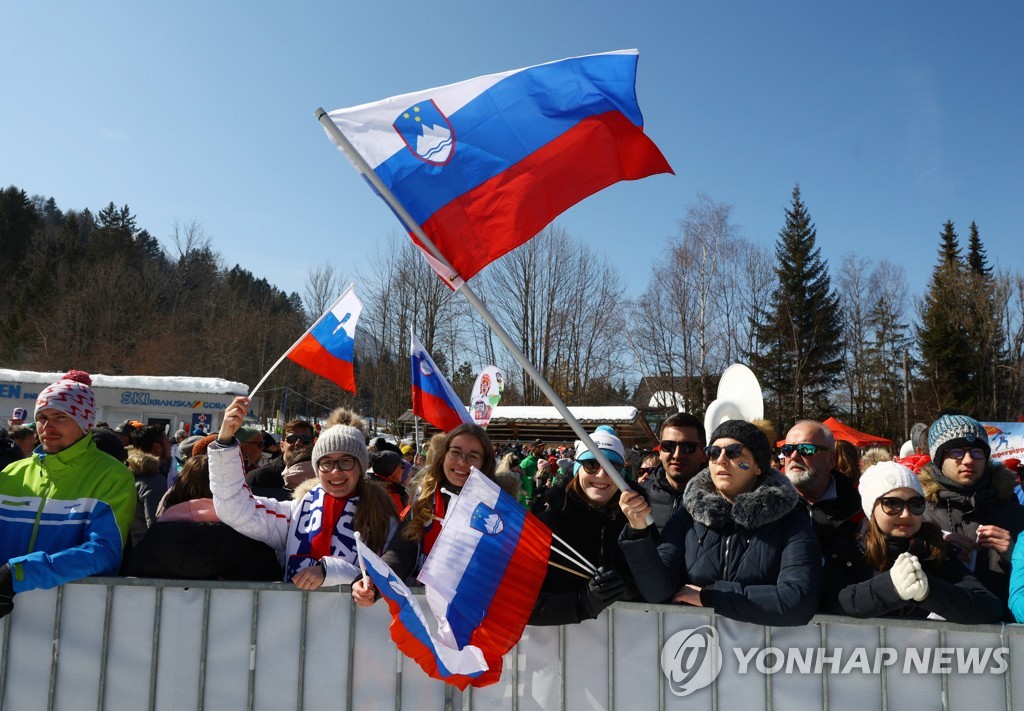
pixel 681 451
pixel 268 480
pixel 830 498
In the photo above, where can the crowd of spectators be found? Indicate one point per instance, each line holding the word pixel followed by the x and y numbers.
pixel 760 529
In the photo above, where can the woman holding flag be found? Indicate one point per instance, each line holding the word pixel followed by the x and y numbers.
pixel 315 533
pixel 584 514
pixel 463 448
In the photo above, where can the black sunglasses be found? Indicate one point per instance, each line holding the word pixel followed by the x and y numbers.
pixel 590 466
pixel 960 453
pixel 731 450
pixel 304 439
pixel 647 470
pixel 893 505
pixel 804 449
pixel 669 446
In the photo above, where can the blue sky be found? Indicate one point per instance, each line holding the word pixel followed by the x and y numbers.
pixel 893 116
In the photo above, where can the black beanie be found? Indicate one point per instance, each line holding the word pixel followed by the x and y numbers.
pixel 384 463
pixel 751 437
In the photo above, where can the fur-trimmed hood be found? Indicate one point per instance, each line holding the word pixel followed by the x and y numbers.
pixel 1002 481
pixel 773 498
pixel 304 488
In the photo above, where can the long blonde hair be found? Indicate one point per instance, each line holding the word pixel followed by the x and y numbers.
pixel 421 511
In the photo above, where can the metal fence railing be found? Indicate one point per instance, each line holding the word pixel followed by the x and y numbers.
pixel 124 643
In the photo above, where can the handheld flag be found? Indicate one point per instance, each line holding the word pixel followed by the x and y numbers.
pixel 410 632
pixel 433 398
pixel 484 572
pixel 483 165
pixel 328 348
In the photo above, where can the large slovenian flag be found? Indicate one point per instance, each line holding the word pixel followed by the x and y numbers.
pixel 484 572
pixel 485 164
pixel 433 398
pixel 328 348
pixel 411 633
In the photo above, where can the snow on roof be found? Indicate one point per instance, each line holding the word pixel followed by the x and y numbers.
pixel 598 414
pixel 171 383
pixel 667 398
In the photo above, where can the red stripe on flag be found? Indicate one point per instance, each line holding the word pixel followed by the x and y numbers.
pixel 314 357
pixel 434 410
pixel 514 599
pixel 413 648
pixel 510 208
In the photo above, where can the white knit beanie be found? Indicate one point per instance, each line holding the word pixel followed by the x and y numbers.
pixel 344 439
pixel 879 479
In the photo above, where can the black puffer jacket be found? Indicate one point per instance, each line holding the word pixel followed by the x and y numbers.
pixel 991 501
pixel 663 498
pixel 594 533
pixel 953 593
pixel 757 560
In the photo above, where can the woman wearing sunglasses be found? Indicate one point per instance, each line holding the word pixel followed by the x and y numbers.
pixel 463 448
pixel 738 543
pixel 315 533
pixel 904 570
pixel 585 514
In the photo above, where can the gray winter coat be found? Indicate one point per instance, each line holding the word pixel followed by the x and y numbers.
pixel 757 560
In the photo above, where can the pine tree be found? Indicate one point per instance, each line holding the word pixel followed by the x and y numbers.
pixel 801 329
pixel 943 334
pixel 977 260
pixel 985 331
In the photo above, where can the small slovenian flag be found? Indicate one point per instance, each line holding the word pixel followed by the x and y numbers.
pixel 433 398
pixel 328 348
pixel 411 633
pixel 484 572
pixel 483 165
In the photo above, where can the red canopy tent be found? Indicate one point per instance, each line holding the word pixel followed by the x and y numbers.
pixel 854 437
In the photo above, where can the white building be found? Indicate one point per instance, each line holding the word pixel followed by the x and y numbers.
pixel 148 399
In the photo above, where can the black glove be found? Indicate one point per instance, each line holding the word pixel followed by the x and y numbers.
pixel 6 590
pixel 603 589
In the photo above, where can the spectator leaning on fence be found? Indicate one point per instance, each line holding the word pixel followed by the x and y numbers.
pixel 315 534
pixel 64 511
pixel 905 570
pixel 453 455
pixel 585 514
pixel 740 543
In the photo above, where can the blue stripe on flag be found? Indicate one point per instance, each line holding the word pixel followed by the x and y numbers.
pixel 485 571
pixel 335 339
pixel 511 120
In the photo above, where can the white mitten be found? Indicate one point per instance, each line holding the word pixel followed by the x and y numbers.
pixel 903 577
pixel 919 588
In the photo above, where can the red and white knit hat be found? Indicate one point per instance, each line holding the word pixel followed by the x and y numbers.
pixel 73 396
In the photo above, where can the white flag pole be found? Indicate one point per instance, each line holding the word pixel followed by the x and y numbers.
pixel 297 342
pixel 453 277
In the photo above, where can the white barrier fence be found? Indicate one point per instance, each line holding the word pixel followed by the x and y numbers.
pixel 116 643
